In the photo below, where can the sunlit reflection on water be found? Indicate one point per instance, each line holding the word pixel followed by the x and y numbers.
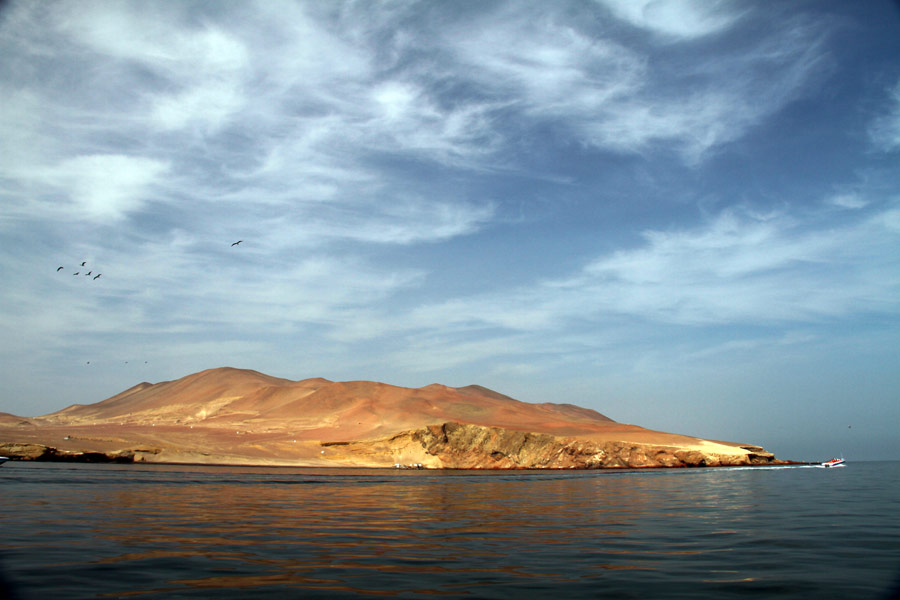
pixel 84 531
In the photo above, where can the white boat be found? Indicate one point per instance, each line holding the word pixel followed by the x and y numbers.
pixel 834 462
pixel 3 459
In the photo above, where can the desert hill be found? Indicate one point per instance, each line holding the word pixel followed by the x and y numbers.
pixel 9 420
pixel 228 397
pixel 229 415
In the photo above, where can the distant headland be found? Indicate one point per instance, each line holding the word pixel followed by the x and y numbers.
pixel 230 416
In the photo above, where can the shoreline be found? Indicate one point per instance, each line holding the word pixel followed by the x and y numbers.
pixel 54 455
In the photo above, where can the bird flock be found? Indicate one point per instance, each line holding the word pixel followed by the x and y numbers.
pixel 88 274
pixel 94 277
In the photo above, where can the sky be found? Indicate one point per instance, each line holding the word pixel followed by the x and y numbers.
pixel 684 215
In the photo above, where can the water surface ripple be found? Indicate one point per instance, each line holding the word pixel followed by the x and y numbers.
pixel 153 531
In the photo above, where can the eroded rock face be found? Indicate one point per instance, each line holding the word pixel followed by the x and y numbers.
pixel 449 445
pixel 40 452
pixel 463 446
pixel 27 451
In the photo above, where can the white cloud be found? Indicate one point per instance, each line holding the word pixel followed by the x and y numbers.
pixel 744 270
pixel 259 106
pixel 679 19
pixel 735 270
pixel 317 290
pixel 292 104
pixel 553 66
pixel 204 67
pixel 627 99
pixel 102 187
pixel 407 220
pixel 889 219
pixel 20 121
pixel 850 201
pixel 885 130
pixel 209 103
pixel 404 114
pixel 154 36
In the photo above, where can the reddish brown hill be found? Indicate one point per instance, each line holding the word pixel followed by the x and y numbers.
pixel 229 397
pixel 172 398
pixel 241 416
pixel 8 419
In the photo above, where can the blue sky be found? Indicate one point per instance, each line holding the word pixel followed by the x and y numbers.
pixel 685 215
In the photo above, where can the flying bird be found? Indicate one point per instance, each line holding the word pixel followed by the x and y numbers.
pixel 82 263
pixel 88 273
pixel 98 275
pixel 58 269
pixel 76 272
pixel 237 242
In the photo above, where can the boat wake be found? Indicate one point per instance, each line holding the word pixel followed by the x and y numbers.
pixel 828 465
pixel 777 467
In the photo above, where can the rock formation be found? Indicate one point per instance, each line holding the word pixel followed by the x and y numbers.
pixel 232 416
pixel 462 446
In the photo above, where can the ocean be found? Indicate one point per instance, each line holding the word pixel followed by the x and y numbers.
pixel 162 531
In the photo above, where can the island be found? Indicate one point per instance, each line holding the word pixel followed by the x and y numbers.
pixel 229 416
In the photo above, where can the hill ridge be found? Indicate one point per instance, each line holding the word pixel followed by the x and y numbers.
pixel 245 394
pixel 240 416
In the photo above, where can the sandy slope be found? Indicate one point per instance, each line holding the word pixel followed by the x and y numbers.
pixel 238 416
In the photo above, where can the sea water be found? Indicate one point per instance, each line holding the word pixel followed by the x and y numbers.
pixel 156 531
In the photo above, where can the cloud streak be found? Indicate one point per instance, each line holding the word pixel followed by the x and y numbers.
pixel 736 270
pixel 676 19
pixel 623 100
pixel 885 129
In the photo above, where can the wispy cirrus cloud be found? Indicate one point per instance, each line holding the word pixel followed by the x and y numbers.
pixel 736 270
pixel 302 113
pixel 218 112
pixel 677 19
pixel 750 269
pixel 102 186
pixel 885 129
pixel 193 75
pixel 575 74
pixel 850 201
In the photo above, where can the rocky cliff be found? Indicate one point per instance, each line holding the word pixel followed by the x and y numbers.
pixel 462 446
